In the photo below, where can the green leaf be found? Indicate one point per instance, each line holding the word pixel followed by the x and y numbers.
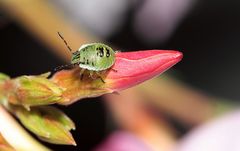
pixel 48 123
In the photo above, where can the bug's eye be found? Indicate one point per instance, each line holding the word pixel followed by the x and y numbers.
pixel 107 52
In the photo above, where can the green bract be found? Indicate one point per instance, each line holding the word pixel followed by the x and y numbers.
pixel 33 91
pixel 48 123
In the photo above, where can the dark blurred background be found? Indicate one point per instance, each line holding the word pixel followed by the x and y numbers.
pixel 207 34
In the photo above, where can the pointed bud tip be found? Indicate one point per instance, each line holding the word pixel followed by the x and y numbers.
pixel 136 67
pixel 178 55
pixel 74 143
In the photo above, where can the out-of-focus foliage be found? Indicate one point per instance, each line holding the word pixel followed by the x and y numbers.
pixel 4 146
pixel 48 123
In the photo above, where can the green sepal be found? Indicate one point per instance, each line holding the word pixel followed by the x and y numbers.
pixel 48 123
pixel 3 77
pixel 34 90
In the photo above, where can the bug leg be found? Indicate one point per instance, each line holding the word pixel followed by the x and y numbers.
pixel 115 70
pixel 91 75
pixel 103 72
pixel 99 76
pixel 81 73
pixel 63 67
pixel 116 93
pixel 102 79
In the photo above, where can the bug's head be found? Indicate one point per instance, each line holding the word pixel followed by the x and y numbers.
pixel 75 57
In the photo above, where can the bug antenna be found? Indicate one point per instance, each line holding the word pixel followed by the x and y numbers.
pixel 64 41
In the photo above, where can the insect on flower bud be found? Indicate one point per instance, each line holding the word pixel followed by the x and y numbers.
pixel 129 69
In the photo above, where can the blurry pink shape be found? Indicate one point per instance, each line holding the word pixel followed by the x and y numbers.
pixel 157 19
pixel 219 135
pixel 123 141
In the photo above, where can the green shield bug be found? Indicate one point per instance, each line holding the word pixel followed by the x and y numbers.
pixel 94 57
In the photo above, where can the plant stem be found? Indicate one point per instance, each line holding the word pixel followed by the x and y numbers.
pixel 15 135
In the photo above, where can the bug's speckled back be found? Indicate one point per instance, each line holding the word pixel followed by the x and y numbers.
pixel 94 57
